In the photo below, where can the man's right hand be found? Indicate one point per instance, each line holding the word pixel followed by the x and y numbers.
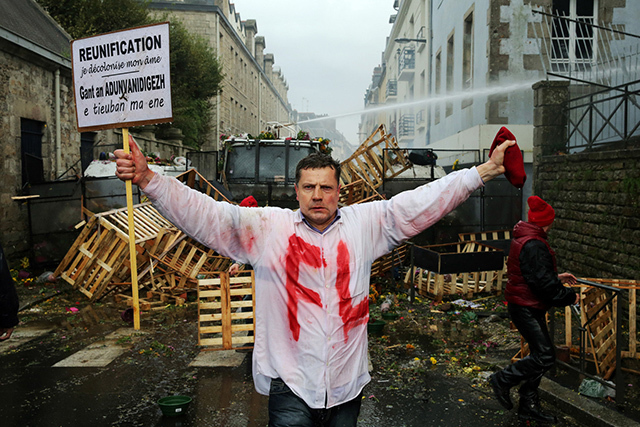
pixel 133 166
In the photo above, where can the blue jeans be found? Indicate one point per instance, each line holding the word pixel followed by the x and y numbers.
pixel 288 410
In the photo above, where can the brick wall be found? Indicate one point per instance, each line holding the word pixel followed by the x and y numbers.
pixel 597 200
pixel 596 195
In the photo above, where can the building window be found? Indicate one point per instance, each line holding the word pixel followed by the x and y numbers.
pixel 87 139
pixel 573 39
pixel 467 53
pixel 31 132
pixel 449 108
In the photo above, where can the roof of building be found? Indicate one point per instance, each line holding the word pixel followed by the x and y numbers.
pixel 27 20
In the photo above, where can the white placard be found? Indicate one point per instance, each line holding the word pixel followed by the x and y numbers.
pixel 122 79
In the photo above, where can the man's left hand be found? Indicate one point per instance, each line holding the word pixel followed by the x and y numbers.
pixel 495 165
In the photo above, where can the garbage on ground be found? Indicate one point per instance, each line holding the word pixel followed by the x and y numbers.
pixel 465 303
pixel 593 388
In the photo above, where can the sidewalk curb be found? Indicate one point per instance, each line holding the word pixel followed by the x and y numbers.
pixel 581 408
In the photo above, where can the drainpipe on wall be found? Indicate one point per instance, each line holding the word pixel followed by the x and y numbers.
pixel 58 137
pixel 259 102
pixel 430 107
pixel 218 130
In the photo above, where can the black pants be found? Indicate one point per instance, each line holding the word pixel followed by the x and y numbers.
pixel 287 410
pixel 532 325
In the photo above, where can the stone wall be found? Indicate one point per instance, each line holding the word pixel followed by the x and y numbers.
pixel 27 92
pixel 596 195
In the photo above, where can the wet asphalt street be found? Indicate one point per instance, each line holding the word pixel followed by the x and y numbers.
pixel 39 389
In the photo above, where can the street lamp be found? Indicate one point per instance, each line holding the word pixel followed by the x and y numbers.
pixel 407 40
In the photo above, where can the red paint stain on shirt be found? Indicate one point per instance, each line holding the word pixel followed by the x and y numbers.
pixel 351 315
pixel 299 252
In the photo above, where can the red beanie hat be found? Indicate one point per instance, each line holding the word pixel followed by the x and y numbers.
pixel 540 212
pixel 513 163
pixel 249 202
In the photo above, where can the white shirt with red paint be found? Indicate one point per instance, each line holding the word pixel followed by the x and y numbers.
pixel 311 288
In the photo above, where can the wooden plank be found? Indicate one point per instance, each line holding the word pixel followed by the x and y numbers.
pixel 633 337
pixel 567 326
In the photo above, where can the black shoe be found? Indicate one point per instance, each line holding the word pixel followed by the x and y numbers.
pixel 530 410
pixel 501 393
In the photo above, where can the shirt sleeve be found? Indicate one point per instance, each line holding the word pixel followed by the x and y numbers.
pixel 536 265
pixel 233 231
pixel 413 211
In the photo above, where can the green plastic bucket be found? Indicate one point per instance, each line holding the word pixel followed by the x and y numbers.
pixel 174 405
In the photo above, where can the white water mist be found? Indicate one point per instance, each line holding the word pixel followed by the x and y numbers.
pixel 433 100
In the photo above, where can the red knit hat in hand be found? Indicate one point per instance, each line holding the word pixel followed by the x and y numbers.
pixel 540 212
pixel 513 163
pixel 249 202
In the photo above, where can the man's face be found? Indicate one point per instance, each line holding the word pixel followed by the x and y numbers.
pixel 317 193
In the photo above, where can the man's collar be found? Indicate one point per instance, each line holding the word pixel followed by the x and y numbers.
pixel 301 218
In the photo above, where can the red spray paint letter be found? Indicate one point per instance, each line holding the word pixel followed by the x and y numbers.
pixel 299 252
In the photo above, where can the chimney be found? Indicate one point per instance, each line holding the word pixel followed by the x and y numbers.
pixel 250 29
pixel 259 50
pixel 268 66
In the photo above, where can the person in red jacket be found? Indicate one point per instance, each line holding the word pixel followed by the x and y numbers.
pixel 533 287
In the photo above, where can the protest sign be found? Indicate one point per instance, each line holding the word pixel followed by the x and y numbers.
pixel 122 79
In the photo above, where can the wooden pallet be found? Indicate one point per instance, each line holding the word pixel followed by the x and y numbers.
pixel 395 258
pixel 96 258
pixel 632 286
pixel 221 325
pixel 372 163
pixel 601 331
pixel 485 235
pixel 98 261
pixel 193 179
pixel 436 286
pixel 184 259
pixel 358 192
pixel 456 269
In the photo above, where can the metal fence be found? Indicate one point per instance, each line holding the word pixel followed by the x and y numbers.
pixel 613 302
pixel 603 64
pixel 602 115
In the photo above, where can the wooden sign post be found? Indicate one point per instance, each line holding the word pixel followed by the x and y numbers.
pixel 122 79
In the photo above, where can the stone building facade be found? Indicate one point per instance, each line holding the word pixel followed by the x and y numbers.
pixel 254 90
pixel 458 70
pixel 38 137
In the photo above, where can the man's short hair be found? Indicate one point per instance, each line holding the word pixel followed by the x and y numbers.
pixel 318 160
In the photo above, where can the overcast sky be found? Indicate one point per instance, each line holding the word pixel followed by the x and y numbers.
pixel 326 49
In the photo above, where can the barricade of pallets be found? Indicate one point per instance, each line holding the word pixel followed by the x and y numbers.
pixel 98 261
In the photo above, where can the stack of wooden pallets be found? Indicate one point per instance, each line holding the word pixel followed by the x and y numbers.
pixel 377 158
pixel 168 262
